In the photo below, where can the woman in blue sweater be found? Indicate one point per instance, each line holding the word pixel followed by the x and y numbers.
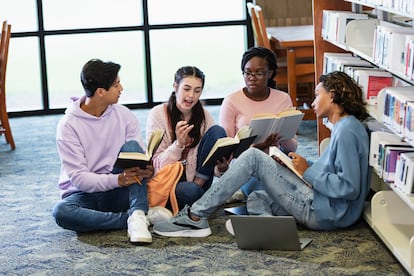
pixel 339 178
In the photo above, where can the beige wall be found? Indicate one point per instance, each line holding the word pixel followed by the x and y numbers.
pixel 286 12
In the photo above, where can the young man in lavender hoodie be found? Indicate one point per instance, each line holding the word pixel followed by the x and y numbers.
pixel 95 195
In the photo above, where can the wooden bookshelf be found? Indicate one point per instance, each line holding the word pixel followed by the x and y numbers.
pixel 322 46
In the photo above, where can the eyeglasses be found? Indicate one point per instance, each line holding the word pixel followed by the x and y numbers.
pixel 258 75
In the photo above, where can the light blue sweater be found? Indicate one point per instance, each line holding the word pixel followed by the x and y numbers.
pixel 340 175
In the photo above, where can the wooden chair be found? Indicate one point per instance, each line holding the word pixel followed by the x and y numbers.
pixel 262 40
pixel 4 51
pixel 296 66
pixel 301 75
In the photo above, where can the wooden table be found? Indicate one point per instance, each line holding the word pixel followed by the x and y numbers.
pixel 297 42
pixel 292 36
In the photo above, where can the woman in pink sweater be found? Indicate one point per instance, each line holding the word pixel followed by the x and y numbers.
pixel 190 134
pixel 260 95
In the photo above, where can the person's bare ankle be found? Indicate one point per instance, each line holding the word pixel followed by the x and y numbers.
pixel 199 181
pixel 194 217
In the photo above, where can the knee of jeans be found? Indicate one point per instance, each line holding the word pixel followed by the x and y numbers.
pixel 60 212
pixel 188 192
pixel 131 146
pixel 216 131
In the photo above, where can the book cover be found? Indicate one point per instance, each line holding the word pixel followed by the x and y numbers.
pixel 286 124
pixel 390 162
pixel 371 82
pixel 137 159
pixel 404 173
pixel 380 139
pixel 226 146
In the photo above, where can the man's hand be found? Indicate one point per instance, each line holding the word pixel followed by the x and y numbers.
pixel 134 175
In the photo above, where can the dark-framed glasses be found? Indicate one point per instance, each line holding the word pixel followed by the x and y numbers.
pixel 258 75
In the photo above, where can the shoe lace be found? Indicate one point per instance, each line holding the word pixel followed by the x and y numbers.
pixel 184 212
pixel 138 218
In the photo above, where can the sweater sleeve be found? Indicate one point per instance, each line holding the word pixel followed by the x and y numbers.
pixel 168 152
pixel 336 174
pixel 227 117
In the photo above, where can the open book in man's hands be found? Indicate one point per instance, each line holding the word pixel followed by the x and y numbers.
pixel 225 146
pixel 275 151
pixel 137 159
pixel 285 123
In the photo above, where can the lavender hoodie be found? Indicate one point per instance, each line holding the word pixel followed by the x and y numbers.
pixel 88 147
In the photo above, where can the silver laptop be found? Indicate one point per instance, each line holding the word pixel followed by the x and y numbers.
pixel 272 232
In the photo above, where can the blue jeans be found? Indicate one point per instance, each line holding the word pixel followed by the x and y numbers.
pixel 187 191
pixel 109 210
pixel 251 185
pixel 284 192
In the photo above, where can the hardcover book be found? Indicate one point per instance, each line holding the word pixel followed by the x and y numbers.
pixel 285 123
pixel 137 159
pixel 226 146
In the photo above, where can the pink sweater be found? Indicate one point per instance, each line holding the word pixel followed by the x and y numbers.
pixel 168 152
pixel 237 110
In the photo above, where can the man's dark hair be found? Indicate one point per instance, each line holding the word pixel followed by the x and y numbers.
pixel 98 74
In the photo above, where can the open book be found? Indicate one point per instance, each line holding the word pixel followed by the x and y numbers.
pixel 225 146
pixel 285 123
pixel 137 159
pixel 287 161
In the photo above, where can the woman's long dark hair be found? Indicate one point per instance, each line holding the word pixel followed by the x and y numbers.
pixel 265 54
pixel 174 114
pixel 346 93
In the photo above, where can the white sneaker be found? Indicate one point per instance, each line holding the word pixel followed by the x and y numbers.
pixel 157 214
pixel 229 227
pixel 138 228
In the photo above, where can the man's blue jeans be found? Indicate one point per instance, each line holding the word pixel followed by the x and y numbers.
pixel 83 212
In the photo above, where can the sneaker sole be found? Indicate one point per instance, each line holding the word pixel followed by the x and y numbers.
pixel 186 233
pixel 140 240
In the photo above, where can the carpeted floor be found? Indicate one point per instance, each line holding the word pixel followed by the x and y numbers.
pixel 31 243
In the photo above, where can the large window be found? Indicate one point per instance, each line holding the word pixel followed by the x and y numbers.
pixel 151 39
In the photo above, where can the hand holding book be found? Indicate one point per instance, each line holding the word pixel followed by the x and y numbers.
pixel 296 163
pixel 137 159
pixel 271 140
pixel 230 147
pixel 134 175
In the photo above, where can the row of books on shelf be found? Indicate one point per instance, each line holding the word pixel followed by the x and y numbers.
pixel 371 79
pixel 398 111
pixel 393 101
pixel 393 160
pixel 393 48
pixel 385 44
pixel 402 6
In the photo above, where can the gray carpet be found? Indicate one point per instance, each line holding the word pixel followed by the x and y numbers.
pixel 31 242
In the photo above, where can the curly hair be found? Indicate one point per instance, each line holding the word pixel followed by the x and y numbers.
pixel 267 55
pixel 175 115
pixel 346 93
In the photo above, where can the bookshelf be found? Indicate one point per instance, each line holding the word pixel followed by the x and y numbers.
pixel 390 213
